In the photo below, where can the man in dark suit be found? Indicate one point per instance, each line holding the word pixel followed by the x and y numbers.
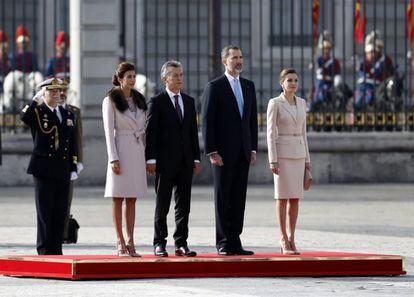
pixel 173 155
pixel 52 164
pixel 229 125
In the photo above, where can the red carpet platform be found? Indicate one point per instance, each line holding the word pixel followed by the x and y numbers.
pixel 78 267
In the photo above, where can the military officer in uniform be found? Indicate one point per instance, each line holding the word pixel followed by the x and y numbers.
pixel 52 164
pixel 78 142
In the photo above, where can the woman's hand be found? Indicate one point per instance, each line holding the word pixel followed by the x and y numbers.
pixel 274 167
pixel 116 167
pixel 308 165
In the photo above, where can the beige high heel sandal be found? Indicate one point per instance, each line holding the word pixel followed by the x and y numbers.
pixel 121 250
pixel 285 248
pixel 131 250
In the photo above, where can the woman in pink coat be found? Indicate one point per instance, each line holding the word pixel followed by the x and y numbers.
pixel 124 117
pixel 288 154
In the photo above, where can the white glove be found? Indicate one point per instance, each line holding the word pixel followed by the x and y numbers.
pixel 73 175
pixel 39 95
pixel 79 168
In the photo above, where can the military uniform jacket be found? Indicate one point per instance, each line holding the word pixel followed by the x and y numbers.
pixel 54 153
pixel 78 130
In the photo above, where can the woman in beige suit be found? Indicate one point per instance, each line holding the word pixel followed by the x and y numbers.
pixel 124 117
pixel 288 154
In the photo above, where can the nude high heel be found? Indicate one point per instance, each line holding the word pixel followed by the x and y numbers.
pixel 293 246
pixel 285 248
pixel 121 250
pixel 130 247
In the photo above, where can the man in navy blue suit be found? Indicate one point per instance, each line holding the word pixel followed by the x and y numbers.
pixel 229 126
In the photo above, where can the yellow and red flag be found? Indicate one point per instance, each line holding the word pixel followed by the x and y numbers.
pixel 410 21
pixel 315 17
pixel 359 23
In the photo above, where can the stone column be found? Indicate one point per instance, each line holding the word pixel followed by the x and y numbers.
pixel 94 30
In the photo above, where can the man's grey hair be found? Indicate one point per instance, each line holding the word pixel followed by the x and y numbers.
pixel 225 52
pixel 171 63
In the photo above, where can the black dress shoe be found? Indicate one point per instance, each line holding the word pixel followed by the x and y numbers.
pixel 184 251
pixel 243 252
pixel 160 251
pixel 224 252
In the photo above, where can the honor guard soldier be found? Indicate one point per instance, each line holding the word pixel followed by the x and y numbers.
pixel 52 164
pixel 375 69
pixel 23 60
pixel 327 69
pixel 58 66
pixel 4 59
pixel 71 226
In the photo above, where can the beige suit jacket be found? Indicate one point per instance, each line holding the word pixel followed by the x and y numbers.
pixel 286 134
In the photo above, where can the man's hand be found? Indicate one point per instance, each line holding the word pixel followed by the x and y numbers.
pixel 197 168
pixel 308 165
pixel 253 158
pixel 151 169
pixel 116 167
pixel 275 168
pixel 216 160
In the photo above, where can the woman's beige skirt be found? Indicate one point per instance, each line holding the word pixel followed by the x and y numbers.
pixel 289 182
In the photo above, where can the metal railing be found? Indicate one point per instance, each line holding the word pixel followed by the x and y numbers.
pixel 22 67
pixel 274 34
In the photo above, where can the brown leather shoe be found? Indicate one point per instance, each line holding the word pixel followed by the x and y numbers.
pixel 184 251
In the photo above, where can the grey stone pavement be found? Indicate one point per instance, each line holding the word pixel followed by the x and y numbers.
pixel 350 218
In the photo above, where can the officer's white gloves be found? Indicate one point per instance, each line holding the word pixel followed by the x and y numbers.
pixel 79 168
pixel 38 97
pixel 73 175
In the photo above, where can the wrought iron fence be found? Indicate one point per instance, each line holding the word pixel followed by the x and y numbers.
pixel 273 34
pixel 28 35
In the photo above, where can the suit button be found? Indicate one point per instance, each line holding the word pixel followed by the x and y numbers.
pixel 64 158
pixel 66 149
pixel 67 140
pixel 50 155
pixel 51 145
pixel 53 137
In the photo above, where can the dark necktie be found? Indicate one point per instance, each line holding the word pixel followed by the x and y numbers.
pixel 55 112
pixel 178 109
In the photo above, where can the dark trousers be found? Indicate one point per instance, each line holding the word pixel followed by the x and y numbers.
pixel 230 186
pixel 66 224
pixel 51 208
pixel 180 181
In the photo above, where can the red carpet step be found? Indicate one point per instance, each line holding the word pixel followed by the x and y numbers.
pixel 83 267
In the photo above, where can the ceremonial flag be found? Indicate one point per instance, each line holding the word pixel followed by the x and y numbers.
pixel 410 21
pixel 359 24
pixel 315 17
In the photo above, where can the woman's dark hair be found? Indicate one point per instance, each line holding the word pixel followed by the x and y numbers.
pixel 120 72
pixel 116 94
pixel 285 72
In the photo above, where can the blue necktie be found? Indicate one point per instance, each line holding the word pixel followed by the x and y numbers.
pixel 238 95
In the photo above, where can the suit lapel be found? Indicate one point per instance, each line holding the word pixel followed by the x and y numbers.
pixel 285 106
pixel 171 106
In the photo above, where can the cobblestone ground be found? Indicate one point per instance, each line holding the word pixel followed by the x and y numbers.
pixel 350 218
